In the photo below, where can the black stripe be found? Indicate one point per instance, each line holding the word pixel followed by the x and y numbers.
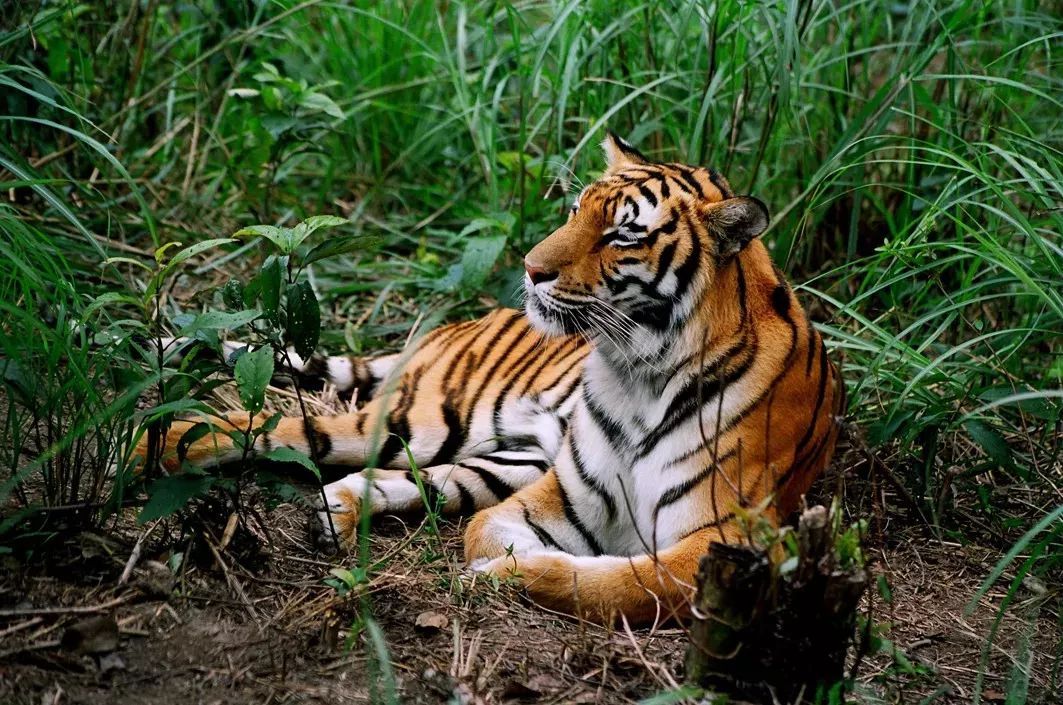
pixel 579 349
pixel 543 534
pixel 664 262
pixel 432 494
pixel 398 425
pixel 711 524
pixel 648 194
pixel 742 303
pixel 799 453
pixel 677 492
pixel 468 502
pixel 573 518
pixel 455 435
pixel 592 483
pixel 569 390
pixel 393 444
pixel 317 439
pixel 665 191
pixel 537 463
pixel 768 389
pixel 802 461
pixel 718 181
pixel 689 177
pixel 780 301
pixel 612 429
pixel 684 274
pixel 501 398
pixel 558 353
pixel 700 389
pixel 494 485
pixel 490 375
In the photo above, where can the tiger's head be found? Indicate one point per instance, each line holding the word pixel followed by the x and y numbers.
pixel 639 249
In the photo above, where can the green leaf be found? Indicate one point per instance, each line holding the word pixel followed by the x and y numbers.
pixel 884 589
pixel 253 372
pixel 178 406
pixel 217 320
pixel 290 455
pixel 169 494
pixel 342 245
pixel 321 103
pixel 1039 407
pixel 304 318
pixel 478 259
pixel 1051 520
pixel 277 125
pixel 267 286
pixel 281 237
pixel 233 294
pixel 196 249
pixel 316 222
pixel 990 440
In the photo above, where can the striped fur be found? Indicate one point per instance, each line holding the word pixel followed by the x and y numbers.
pixel 663 378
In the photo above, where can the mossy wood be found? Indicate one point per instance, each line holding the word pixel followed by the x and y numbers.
pixel 770 635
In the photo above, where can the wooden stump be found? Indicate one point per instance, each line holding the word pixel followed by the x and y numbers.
pixel 775 630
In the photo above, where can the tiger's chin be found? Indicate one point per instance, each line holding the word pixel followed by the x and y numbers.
pixel 544 319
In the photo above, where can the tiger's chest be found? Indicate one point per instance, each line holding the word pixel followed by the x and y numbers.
pixel 622 462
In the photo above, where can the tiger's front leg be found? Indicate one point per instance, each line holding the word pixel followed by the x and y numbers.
pixel 461 487
pixel 537 538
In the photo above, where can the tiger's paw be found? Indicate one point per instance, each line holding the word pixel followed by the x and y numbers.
pixel 335 527
pixel 523 566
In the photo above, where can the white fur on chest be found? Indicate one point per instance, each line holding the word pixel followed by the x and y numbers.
pixel 639 478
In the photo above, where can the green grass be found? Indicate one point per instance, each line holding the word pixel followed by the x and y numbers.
pixel 911 154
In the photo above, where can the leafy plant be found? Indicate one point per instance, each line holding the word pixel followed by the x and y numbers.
pixel 286 120
pixel 277 314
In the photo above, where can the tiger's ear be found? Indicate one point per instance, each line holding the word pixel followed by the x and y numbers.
pixel 736 221
pixel 619 154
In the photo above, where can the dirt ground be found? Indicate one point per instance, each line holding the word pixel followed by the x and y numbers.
pixel 258 624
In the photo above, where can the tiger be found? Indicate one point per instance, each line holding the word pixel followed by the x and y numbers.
pixel 661 382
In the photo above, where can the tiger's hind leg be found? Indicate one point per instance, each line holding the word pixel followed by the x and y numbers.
pixel 462 487
pixel 353 376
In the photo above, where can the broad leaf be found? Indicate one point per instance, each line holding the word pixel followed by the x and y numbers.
pixel 233 294
pixel 281 237
pixel 268 286
pixel 990 440
pixel 253 372
pixel 478 259
pixel 342 245
pixel 216 320
pixel 169 494
pixel 316 222
pixel 290 455
pixel 196 249
pixel 304 318
pixel 319 102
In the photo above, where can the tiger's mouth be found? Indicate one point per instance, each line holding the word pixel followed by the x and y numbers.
pixel 550 316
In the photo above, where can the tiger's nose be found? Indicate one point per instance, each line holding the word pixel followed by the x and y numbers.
pixel 537 273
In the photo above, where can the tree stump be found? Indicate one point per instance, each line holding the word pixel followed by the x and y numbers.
pixel 775 626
